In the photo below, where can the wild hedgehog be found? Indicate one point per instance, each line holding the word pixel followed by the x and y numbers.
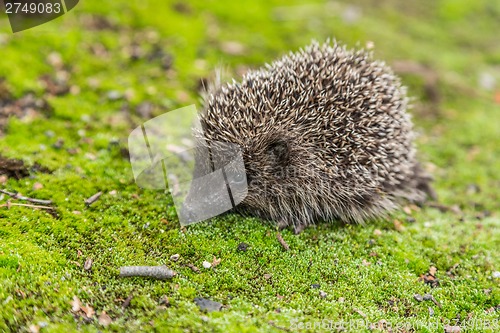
pixel 324 135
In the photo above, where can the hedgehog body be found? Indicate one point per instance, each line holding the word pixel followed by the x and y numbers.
pixel 324 135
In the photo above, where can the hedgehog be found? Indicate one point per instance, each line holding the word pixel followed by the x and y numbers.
pixel 324 134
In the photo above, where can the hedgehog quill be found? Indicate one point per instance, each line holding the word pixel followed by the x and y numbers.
pixel 324 134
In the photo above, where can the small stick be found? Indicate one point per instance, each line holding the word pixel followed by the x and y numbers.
pixel 9 204
pixel 92 199
pixel 193 268
pixel 282 241
pixel 429 297
pixel 157 272
pixel 21 197
pixel 126 303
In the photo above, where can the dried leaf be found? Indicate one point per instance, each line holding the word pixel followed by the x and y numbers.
pixel 361 313
pixel 76 305
pixel 399 226
pixel 490 310
pixel 34 328
pixel 452 329
pixel 89 311
pixel 215 261
pixel 104 319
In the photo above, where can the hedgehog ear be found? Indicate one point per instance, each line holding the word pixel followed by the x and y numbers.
pixel 279 151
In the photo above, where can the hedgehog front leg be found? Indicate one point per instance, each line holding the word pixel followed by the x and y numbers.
pixel 282 224
pixel 297 228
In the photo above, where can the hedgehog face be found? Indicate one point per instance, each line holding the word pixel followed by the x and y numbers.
pixel 269 174
pixel 266 165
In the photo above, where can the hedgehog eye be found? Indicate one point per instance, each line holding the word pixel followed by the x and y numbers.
pixel 279 150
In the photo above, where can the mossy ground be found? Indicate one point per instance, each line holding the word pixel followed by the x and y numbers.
pixel 369 272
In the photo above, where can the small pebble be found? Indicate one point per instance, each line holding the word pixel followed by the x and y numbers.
pixel 114 95
pixel 85 118
pixel 175 257
pixel 496 275
pixel 315 286
pixel 88 264
pixel 472 189
pixel 206 264
pixel 322 294
pixel 207 305
pixel 242 247
pixel 233 47
pixel 165 301
pixel 58 144
pixel 49 134
pixel 55 59
pixel 418 297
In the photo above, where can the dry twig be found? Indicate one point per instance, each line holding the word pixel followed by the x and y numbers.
pixel 21 197
pixel 92 199
pixel 9 204
pixel 282 241
pixel 157 272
